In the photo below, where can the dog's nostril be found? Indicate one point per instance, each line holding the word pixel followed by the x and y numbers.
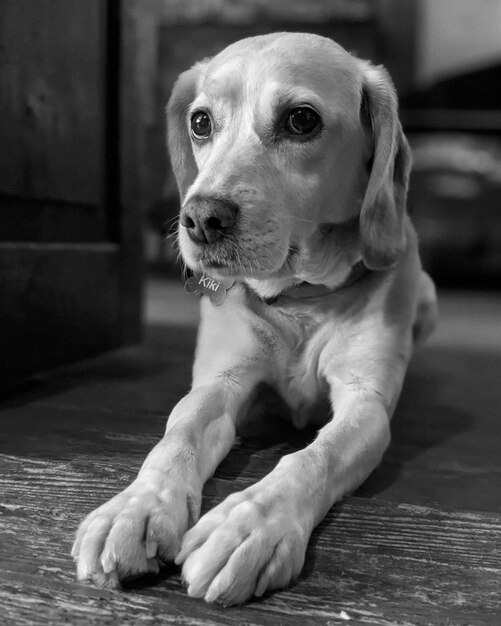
pixel 214 223
pixel 187 221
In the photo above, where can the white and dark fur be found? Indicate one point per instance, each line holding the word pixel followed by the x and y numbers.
pixel 301 211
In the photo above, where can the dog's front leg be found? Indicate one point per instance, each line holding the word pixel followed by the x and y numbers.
pixel 256 539
pixel 123 537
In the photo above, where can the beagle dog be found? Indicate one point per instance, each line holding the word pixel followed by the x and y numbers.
pixel 292 169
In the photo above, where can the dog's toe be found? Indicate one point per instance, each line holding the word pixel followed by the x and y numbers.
pixel 123 538
pixel 249 550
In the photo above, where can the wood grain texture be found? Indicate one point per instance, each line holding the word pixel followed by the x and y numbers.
pixel 59 302
pixel 128 222
pixel 49 221
pixel 53 118
pixel 63 295
pixel 376 562
pixel 419 543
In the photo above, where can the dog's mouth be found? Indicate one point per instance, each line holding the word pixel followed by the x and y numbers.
pixel 221 268
pixel 242 267
pixel 219 259
pixel 241 255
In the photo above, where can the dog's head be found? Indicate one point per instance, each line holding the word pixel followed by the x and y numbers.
pixel 277 140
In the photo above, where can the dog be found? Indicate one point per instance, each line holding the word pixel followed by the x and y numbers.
pixel 292 170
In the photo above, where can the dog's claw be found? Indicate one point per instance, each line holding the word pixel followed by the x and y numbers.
pixel 124 537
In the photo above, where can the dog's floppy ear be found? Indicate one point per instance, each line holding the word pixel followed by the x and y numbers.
pixel 178 139
pixel 383 207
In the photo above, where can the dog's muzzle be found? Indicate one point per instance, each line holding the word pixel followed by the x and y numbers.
pixel 208 220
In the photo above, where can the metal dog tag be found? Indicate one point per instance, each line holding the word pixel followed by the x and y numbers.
pixel 208 286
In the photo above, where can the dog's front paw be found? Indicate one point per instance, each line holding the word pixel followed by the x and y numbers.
pixel 124 537
pixel 250 543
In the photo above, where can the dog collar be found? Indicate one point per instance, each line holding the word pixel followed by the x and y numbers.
pixel 307 291
pixel 204 284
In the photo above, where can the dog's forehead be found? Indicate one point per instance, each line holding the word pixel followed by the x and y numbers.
pixel 291 61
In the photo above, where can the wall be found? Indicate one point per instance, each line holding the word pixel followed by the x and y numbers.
pixel 457 35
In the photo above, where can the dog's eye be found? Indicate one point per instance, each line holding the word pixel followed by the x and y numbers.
pixel 201 125
pixel 302 121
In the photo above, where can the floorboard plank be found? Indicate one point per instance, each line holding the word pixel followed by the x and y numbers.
pixel 374 560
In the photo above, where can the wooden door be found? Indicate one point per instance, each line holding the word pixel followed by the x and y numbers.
pixel 69 236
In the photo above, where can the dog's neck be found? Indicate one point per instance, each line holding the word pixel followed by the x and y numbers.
pixel 325 261
pixel 307 291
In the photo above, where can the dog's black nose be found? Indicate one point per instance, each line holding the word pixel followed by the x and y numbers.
pixel 207 220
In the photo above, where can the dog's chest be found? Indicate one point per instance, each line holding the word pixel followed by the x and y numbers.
pixel 298 344
pixel 283 343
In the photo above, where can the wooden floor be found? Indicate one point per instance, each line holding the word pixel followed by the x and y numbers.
pixel 419 543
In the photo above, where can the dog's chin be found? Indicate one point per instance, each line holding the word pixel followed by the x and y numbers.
pixel 223 270
pixel 229 270
pixel 219 269
pixel 205 263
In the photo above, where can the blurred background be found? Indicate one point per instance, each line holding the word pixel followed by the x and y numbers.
pixel 86 189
